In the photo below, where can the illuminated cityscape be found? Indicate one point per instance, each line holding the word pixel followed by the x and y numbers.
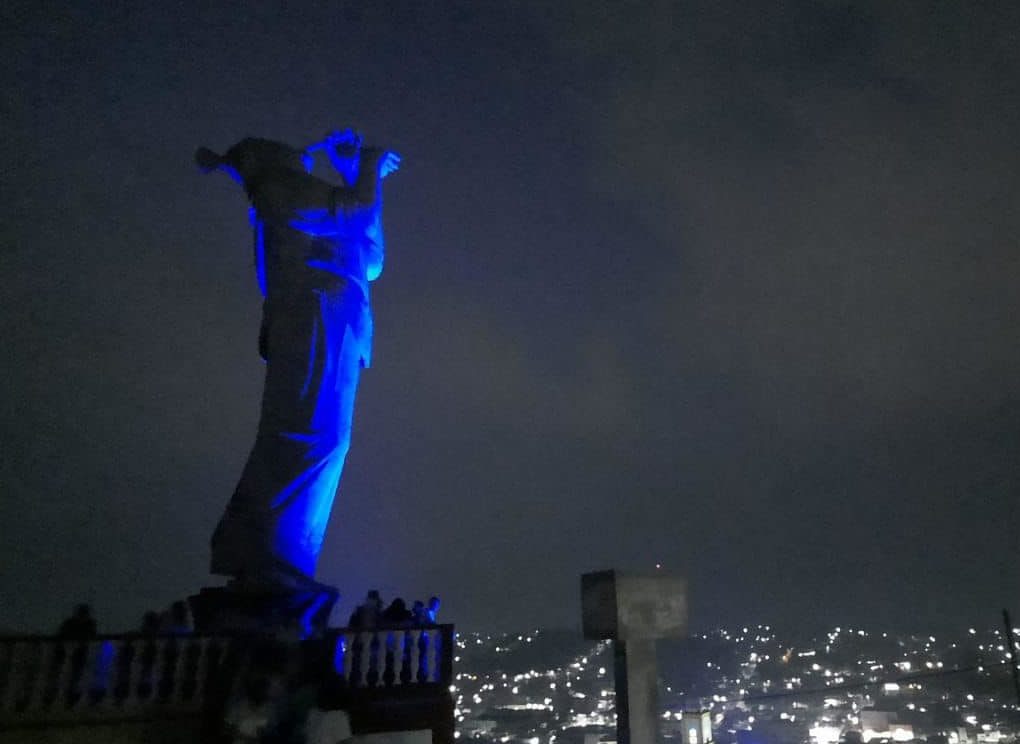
pixel 748 685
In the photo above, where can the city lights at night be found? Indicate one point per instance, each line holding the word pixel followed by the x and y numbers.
pixel 705 308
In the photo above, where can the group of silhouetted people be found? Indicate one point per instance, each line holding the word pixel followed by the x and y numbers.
pixel 370 613
pixel 80 628
pixel 80 625
pixel 175 621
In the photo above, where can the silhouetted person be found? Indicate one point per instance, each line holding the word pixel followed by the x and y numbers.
pixel 366 617
pixel 433 609
pixel 176 620
pixel 367 614
pixel 150 623
pixel 397 614
pixel 80 626
pixel 420 614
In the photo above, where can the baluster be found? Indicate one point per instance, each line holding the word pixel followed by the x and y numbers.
pixel 19 676
pixel 352 658
pixel 155 682
pixel 404 667
pixel 114 654
pixel 386 657
pixel 193 668
pixel 394 657
pixel 12 659
pixel 138 661
pixel 102 654
pixel 7 671
pixel 172 670
pixel 208 666
pixel 372 672
pixel 82 658
pixel 176 679
pixel 432 658
pixel 206 657
pixel 71 655
pixel 37 679
pixel 407 675
pixel 364 651
pixel 424 643
pixel 123 661
pixel 185 670
pixel 6 667
pixel 415 660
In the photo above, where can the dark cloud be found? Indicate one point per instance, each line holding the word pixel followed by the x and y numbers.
pixel 835 199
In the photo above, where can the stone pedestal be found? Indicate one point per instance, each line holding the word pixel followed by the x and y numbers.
pixel 633 610
pixel 300 611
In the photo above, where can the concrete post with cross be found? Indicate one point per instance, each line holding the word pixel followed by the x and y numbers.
pixel 634 611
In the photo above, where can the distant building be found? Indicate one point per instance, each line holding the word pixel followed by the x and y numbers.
pixel 478 726
pixel 958 735
pixel 697 727
pixel 883 724
pixel 587 735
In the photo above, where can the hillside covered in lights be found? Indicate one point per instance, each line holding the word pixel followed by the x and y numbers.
pixel 845 685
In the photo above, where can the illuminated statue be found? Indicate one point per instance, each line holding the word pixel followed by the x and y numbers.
pixel 317 247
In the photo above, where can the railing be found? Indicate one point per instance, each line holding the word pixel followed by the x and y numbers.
pixel 393 657
pixel 45 679
pixel 111 676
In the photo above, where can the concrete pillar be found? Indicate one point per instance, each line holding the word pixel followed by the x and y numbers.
pixel 637 692
pixel 634 610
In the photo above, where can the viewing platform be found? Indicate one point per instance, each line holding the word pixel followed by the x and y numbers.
pixel 167 688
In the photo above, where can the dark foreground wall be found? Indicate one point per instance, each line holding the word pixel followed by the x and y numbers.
pixel 181 688
pixel 178 731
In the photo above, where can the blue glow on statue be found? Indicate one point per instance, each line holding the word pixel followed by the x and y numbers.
pixel 317 246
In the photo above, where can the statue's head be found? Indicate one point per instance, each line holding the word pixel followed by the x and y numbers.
pixel 251 156
pixel 343 148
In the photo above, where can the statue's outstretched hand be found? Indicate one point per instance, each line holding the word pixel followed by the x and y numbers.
pixel 386 161
pixel 389 163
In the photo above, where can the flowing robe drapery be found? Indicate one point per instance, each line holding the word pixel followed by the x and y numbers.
pixel 320 246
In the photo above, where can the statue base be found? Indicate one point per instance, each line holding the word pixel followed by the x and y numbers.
pixel 264 608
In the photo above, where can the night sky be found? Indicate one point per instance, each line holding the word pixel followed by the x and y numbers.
pixel 728 286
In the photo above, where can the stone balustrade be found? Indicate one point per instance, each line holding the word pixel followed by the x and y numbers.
pixel 54 679
pixel 400 657
pixel 49 680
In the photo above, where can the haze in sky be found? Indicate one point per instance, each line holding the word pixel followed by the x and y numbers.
pixel 726 287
